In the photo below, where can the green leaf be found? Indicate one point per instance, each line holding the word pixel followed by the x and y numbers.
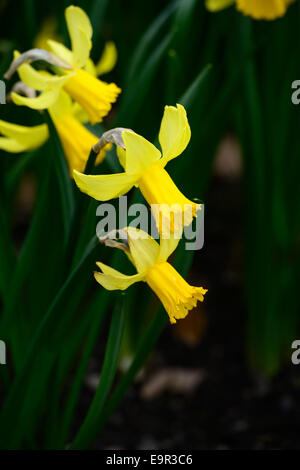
pixel 96 314
pixel 133 99
pixel 190 94
pixel 145 42
pixel 89 428
pixel 10 413
pixel 7 254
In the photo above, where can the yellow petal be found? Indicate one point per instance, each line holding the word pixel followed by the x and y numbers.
pixel 21 138
pixel 111 279
pixel 12 146
pixel 266 10
pixel 61 51
pixel 170 208
pixel 216 5
pixel 104 187
pixel 39 80
pixel 176 295
pixel 121 153
pixel 140 153
pixel 80 30
pixel 175 132
pixel 108 59
pixel 46 99
pixel 167 246
pixel 143 249
pixel 62 106
pixel 79 113
pixel 90 67
pixel 76 140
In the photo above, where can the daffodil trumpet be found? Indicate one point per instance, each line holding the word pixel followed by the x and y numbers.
pixel 151 262
pixel 74 71
pixel 144 167
pixel 258 9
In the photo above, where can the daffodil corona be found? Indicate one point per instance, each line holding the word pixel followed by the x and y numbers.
pixel 80 80
pixel 150 261
pixel 144 167
pixel 258 9
pixel 76 139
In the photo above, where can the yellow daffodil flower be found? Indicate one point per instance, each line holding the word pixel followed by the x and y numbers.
pixel 94 95
pixel 258 9
pixel 16 138
pixel 75 138
pixel 150 261
pixel 144 167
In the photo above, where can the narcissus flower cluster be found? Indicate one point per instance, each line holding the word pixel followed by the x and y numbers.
pixel 72 95
pixel 144 167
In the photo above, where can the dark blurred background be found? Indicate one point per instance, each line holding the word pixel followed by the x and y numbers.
pixel 223 378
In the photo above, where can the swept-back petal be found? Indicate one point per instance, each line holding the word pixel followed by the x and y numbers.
pixel 143 249
pixel 104 187
pixel 80 30
pixel 167 247
pixel 21 138
pixel 46 99
pixel 23 133
pixel 90 67
pixel 121 153
pixel 108 59
pixel 175 132
pixel 79 113
pixel 140 153
pixel 111 279
pixel 12 146
pixel 62 106
pixel 39 80
pixel 61 51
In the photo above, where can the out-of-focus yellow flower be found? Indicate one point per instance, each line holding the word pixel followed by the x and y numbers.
pixel 150 261
pixel 94 95
pixel 258 9
pixel 47 31
pixel 75 138
pixel 16 138
pixel 144 167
